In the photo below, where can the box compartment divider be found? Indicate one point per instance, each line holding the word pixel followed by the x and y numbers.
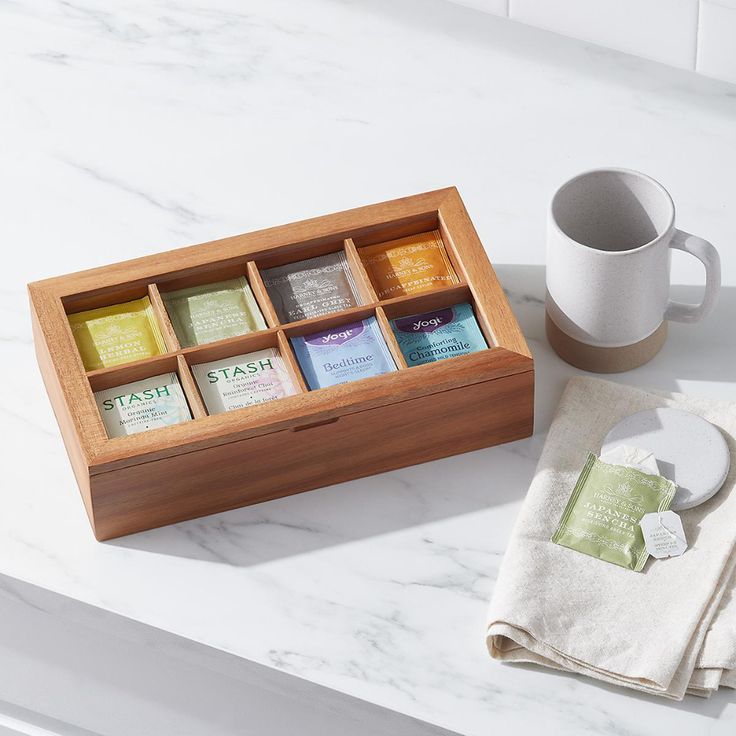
pixel 360 275
pixel 119 375
pixel 261 295
pixel 292 364
pixel 191 391
pixel 390 338
pixel 231 346
pixel 162 317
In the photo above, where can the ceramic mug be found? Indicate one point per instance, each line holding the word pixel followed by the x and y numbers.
pixel 610 237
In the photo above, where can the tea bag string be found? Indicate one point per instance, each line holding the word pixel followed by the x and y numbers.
pixel 673 534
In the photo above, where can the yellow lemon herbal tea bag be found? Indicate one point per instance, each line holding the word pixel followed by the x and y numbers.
pixel 408 265
pixel 117 334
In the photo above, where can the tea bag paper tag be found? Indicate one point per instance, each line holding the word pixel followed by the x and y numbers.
pixel 632 457
pixel 663 534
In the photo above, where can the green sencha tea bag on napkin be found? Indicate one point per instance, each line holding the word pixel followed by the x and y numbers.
pixel 210 312
pixel 602 517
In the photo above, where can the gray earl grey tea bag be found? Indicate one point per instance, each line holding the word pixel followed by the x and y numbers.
pixel 311 288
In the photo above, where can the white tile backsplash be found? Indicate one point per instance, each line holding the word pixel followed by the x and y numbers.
pixel 690 34
pixel 717 39
pixel 663 30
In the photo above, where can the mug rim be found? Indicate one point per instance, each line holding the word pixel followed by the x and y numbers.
pixel 615 170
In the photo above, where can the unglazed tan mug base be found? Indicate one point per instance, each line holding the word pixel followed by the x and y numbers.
pixel 604 360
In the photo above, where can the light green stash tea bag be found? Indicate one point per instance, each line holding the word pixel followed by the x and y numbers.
pixel 210 312
pixel 602 517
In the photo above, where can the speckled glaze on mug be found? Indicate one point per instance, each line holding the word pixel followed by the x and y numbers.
pixel 610 235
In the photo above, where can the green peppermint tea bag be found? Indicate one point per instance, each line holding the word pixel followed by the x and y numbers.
pixel 210 312
pixel 602 517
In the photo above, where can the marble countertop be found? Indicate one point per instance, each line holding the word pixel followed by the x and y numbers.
pixel 154 125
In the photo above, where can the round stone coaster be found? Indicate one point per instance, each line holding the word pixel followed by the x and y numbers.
pixel 689 450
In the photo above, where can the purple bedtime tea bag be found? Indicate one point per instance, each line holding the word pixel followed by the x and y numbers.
pixel 342 354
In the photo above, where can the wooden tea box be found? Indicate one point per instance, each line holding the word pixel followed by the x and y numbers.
pixel 303 441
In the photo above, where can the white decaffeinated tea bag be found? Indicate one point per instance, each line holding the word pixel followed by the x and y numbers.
pixel 150 403
pixel 243 380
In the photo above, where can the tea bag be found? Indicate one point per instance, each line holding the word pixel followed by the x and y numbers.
pixel 433 336
pixel 343 354
pixel 243 380
pixel 142 405
pixel 632 457
pixel 602 516
pixel 408 265
pixel 311 288
pixel 210 312
pixel 117 334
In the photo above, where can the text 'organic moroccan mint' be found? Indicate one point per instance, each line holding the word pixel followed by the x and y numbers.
pixel 150 403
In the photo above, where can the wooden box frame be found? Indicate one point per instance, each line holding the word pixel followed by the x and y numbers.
pixel 302 442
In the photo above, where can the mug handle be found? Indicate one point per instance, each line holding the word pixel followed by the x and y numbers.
pixel 708 255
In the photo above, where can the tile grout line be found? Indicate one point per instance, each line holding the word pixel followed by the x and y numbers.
pixel 697 41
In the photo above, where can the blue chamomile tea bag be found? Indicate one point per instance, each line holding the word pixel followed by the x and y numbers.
pixel 433 336
pixel 342 354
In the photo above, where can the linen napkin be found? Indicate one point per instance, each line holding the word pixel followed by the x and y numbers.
pixel 667 630
pixel 716 666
